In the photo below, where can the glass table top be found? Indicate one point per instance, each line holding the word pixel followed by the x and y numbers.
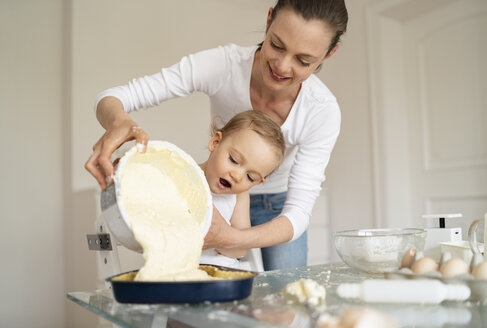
pixel 266 307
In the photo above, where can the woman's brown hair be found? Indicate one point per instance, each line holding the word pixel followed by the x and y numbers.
pixel 332 12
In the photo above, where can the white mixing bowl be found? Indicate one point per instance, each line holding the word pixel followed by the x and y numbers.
pixel 189 178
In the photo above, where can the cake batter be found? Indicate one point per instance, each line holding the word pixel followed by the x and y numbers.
pixel 161 221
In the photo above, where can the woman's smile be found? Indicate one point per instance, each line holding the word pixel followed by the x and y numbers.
pixel 276 76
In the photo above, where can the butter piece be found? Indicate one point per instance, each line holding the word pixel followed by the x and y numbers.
pixel 306 291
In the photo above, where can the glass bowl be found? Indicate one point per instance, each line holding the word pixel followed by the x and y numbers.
pixel 377 250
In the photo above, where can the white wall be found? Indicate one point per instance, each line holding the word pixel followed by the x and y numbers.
pixel 31 137
pixel 121 40
pixel 49 78
pixel 349 178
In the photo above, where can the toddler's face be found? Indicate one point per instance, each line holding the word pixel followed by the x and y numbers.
pixel 239 161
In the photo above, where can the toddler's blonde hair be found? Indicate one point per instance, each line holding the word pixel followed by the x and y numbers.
pixel 258 122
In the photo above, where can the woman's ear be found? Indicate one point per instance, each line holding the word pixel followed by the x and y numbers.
pixel 269 18
pixel 215 140
pixel 332 51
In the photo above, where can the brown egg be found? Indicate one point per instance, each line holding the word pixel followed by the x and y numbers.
pixel 480 271
pixel 453 267
pixel 424 265
pixel 408 258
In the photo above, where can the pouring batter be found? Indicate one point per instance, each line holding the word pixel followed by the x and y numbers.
pixel 162 224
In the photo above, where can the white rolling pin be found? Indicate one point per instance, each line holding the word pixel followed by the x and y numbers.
pixel 404 291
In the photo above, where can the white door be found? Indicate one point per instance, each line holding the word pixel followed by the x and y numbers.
pixel 429 100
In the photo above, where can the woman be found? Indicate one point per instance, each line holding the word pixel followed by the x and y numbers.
pixel 275 78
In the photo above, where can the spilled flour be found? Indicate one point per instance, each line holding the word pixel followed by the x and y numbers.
pixel 161 220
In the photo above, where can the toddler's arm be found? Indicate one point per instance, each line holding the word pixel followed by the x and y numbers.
pixel 240 220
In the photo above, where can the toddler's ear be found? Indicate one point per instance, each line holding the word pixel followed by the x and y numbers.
pixel 215 140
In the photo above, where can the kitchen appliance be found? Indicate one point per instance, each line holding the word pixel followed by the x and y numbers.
pixel 440 234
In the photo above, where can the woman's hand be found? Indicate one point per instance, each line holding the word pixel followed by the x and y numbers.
pixel 119 129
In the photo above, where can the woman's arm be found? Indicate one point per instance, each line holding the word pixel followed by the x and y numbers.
pixel 317 134
pixel 240 220
pixel 204 71
pixel 119 129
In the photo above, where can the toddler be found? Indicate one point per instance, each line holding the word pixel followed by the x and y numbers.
pixel 242 154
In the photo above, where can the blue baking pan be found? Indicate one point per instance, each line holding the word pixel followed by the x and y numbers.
pixel 238 285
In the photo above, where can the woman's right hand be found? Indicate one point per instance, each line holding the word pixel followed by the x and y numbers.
pixel 119 129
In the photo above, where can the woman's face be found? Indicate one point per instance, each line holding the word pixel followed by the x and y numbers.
pixel 293 49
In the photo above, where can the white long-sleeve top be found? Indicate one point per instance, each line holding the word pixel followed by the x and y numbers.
pixel 310 130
